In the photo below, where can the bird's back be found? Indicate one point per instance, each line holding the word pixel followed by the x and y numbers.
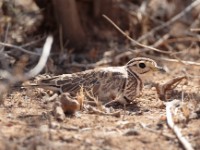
pixel 103 82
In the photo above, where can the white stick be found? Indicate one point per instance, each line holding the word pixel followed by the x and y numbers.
pixel 12 79
pixel 43 59
pixel 176 130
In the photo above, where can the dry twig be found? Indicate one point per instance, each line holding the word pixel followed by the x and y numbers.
pixel 176 130
pixel 99 112
pixel 179 61
pixel 132 53
pixel 132 40
pixel 33 42
pixel 6 36
pixel 19 48
pixel 169 85
pixel 175 18
pixel 195 29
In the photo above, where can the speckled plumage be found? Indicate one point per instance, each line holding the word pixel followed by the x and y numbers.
pixel 122 84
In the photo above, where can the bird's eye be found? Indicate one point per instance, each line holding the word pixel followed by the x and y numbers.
pixel 142 65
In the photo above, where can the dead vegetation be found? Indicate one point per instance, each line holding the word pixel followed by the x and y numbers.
pixel 167 114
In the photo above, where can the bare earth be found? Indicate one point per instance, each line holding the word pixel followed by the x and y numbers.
pixel 27 121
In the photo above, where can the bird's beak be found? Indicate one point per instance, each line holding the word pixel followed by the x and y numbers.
pixel 160 69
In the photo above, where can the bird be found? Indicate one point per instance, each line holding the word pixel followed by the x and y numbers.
pixel 122 84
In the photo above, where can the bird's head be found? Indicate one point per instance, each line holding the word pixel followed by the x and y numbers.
pixel 142 66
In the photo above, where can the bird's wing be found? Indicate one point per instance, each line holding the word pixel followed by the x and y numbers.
pixel 70 82
pixel 89 80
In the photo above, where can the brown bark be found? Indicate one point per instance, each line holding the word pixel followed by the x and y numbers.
pixel 78 17
pixel 69 19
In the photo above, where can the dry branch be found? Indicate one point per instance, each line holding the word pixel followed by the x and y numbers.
pixel 19 48
pixel 175 18
pixel 132 40
pixel 179 61
pixel 169 85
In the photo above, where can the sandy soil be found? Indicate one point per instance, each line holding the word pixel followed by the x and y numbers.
pixel 27 121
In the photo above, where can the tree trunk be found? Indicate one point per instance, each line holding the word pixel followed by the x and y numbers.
pixel 69 20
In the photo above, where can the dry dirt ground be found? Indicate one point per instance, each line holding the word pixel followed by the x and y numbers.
pixel 27 121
